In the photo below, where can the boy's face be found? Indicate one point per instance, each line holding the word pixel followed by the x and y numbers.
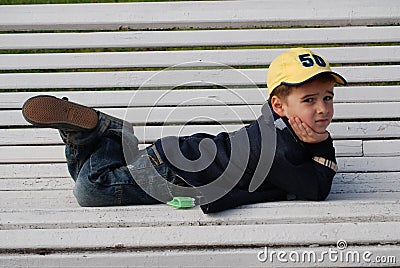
pixel 311 102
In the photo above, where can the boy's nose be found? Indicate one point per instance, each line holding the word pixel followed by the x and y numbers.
pixel 321 108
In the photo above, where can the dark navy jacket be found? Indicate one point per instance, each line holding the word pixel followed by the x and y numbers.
pixel 293 174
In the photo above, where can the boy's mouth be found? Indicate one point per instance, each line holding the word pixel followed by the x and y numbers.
pixel 322 121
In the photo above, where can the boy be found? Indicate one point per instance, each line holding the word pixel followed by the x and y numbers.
pixel 300 85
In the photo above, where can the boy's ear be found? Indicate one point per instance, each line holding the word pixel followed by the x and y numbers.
pixel 277 105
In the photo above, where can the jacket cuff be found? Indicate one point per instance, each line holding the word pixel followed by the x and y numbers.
pixel 328 163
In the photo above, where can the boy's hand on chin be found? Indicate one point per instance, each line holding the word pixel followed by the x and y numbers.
pixel 305 133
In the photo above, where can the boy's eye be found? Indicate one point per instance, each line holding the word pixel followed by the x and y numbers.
pixel 328 98
pixel 309 100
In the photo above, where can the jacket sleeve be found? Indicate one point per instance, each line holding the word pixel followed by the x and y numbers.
pixel 237 197
pixel 323 149
pixel 309 180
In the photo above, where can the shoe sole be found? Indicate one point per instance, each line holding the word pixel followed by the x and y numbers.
pixel 49 111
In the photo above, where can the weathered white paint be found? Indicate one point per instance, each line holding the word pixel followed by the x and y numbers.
pixel 36 184
pixel 28 200
pixel 56 153
pixel 148 134
pixel 221 114
pixel 209 14
pixel 243 37
pixel 369 164
pixel 57 170
pixel 211 236
pixel 21 171
pixel 365 130
pixel 290 212
pixel 187 58
pixel 174 78
pixel 193 97
pixel 36 198
pixel 343 183
pixel 221 257
pixel 64 199
pixel 382 148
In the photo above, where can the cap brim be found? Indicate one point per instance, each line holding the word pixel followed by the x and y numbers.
pixel 338 79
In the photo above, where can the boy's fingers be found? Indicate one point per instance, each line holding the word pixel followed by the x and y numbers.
pixel 295 126
pixel 308 130
pixel 301 126
pixel 300 130
pixel 306 133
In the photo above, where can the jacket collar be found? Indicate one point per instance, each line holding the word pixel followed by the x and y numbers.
pixel 282 123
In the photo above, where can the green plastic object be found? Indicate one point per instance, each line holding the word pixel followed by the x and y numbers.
pixel 182 202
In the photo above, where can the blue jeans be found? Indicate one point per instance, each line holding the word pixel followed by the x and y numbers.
pixel 97 164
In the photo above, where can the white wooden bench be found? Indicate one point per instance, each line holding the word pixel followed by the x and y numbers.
pixel 106 55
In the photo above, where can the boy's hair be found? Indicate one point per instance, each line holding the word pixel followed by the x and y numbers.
pixel 283 91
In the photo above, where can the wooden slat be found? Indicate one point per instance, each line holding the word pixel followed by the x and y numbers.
pixel 367 94
pixel 212 236
pixel 174 78
pixel 32 154
pixel 339 130
pixel 365 130
pixel 36 184
pixel 130 79
pixel 193 97
pixel 64 199
pixel 367 178
pixel 382 147
pixel 216 257
pixel 156 39
pixel 188 14
pixel 343 183
pixel 23 171
pixel 59 170
pixel 37 154
pixel 48 200
pixel 231 57
pixel 368 164
pixel 221 114
pixel 29 136
pixel 55 153
pixel 366 183
pixel 149 98
pixel 163 114
pixel 227 114
pixel 162 215
pixel 45 136
pixel 148 134
pixel 366 110
pixel 348 148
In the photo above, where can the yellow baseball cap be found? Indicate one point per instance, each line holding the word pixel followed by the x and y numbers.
pixel 297 66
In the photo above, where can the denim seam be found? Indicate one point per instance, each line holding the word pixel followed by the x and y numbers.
pixel 153 160
pixel 119 194
pixel 153 147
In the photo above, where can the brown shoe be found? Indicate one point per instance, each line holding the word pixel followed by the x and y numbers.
pixel 52 112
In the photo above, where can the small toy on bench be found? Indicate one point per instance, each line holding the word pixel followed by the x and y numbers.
pixel 182 202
